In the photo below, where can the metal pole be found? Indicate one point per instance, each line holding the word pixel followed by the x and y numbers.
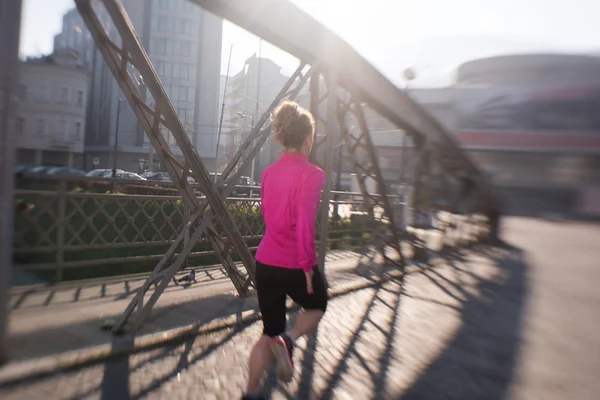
pixel 253 171
pixel 150 148
pixel 338 181
pixel 114 170
pixel 404 187
pixel 222 113
pixel 10 19
pixel 329 144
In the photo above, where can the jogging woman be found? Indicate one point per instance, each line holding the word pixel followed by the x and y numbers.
pixel 286 263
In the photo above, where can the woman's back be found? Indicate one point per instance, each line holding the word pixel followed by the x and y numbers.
pixel 290 192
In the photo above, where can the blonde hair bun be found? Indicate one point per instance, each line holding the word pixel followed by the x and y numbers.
pixel 292 124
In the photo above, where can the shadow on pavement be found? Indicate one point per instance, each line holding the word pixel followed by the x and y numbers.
pixel 115 379
pixel 479 362
pixel 116 288
pixel 51 340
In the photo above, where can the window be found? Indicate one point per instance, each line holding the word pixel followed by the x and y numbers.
pixel 40 128
pixel 61 128
pixel 161 46
pixel 187 26
pixel 160 68
pixel 174 93
pixel 176 70
pixel 77 130
pixel 63 95
pixel 181 113
pixel 41 92
pixel 185 48
pixel 20 126
pixel 80 98
pixel 169 49
pixel 22 92
pixel 168 69
pixel 177 47
pixel 183 93
pixel 162 24
pixel 191 94
pixel 185 71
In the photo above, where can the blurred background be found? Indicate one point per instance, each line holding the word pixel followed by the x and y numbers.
pixel 88 209
pixel 520 97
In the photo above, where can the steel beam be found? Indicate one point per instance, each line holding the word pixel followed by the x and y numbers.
pixel 132 56
pixel 201 222
pixel 10 18
pixel 387 222
pixel 331 133
pixel 293 30
pixel 356 83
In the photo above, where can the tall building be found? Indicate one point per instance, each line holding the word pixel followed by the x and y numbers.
pixel 184 44
pixel 249 94
pixel 51 113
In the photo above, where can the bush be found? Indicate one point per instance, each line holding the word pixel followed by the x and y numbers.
pixel 149 190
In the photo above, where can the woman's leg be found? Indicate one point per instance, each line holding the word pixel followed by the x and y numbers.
pixel 305 323
pixel 314 305
pixel 271 302
pixel 260 360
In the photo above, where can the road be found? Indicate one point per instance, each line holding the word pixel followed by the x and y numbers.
pixel 511 322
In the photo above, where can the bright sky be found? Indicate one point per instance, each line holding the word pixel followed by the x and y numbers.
pixel 433 36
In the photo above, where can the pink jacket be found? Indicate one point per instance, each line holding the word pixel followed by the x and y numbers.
pixel 290 194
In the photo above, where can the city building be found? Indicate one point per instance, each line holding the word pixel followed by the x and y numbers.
pixel 228 127
pixel 531 119
pixel 51 113
pixel 530 122
pixel 184 45
pixel 249 94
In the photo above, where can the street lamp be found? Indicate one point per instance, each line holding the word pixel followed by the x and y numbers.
pixel 409 75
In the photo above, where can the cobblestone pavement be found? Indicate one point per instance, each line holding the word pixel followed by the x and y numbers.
pixel 471 328
pixel 54 320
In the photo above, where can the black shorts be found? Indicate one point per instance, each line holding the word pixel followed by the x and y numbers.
pixel 274 284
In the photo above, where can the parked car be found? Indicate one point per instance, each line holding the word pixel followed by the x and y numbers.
pixel 124 175
pixel 39 169
pixel 20 169
pixel 157 176
pixel 99 173
pixel 245 191
pixel 65 171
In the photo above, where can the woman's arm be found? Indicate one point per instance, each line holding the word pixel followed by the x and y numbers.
pixel 310 194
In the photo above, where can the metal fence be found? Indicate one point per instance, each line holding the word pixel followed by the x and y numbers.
pixel 68 228
pixel 68 233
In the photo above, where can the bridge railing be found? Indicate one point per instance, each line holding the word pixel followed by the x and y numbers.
pixel 71 228
pixel 64 232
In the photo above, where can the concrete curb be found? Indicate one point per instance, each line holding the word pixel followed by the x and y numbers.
pixel 33 370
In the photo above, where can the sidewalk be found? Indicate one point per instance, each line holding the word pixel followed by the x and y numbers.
pixel 60 325
pixel 496 323
pixel 373 343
